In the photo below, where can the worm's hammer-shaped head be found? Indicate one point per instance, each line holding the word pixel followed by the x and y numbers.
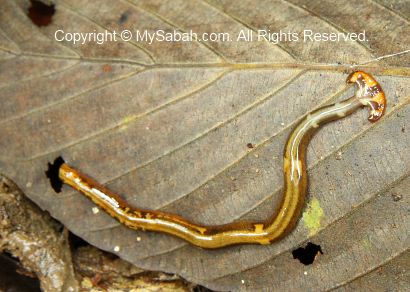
pixel 370 93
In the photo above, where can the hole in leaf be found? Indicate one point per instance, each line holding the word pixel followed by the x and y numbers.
pixel 52 174
pixel 306 255
pixel 40 13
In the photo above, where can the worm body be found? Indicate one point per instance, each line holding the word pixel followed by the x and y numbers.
pixel 369 94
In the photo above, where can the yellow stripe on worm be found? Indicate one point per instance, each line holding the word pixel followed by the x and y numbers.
pixel 369 94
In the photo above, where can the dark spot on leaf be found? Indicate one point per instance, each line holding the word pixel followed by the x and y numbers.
pixel 52 174
pixel 249 145
pixel 306 255
pixel 40 13
pixel 123 17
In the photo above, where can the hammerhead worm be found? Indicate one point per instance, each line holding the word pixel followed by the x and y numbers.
pixel 369 94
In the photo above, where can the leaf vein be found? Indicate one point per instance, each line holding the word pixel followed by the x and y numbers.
pixel 167 21
pixel 79 14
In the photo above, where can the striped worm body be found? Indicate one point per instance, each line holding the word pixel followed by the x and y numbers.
pixel 369 94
